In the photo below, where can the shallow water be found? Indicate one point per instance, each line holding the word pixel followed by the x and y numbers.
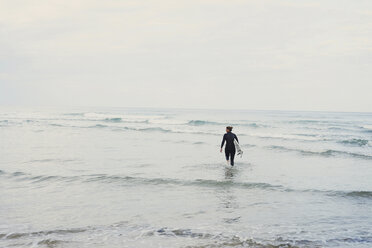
pixel 95 177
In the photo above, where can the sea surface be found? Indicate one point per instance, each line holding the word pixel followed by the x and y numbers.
pixel 116 177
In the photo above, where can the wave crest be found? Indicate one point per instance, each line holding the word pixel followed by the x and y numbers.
pixel 357 142
pixel 117 119
pixel 200 123
pixel 366 194
pixel 327 153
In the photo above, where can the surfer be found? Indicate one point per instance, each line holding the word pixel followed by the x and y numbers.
pixel 229 138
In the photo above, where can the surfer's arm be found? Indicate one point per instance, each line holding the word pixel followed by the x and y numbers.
pixel 236 138
pixel 223 141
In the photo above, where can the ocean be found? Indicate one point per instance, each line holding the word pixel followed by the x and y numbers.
pixel 118 177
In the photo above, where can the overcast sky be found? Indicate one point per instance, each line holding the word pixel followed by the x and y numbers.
pixel 262 54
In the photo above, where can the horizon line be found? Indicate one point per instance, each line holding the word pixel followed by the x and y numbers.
pixel 182 108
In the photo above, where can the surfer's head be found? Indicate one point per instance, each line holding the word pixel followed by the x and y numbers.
pixel 228 129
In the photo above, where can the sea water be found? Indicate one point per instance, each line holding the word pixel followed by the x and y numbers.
pixel 112 177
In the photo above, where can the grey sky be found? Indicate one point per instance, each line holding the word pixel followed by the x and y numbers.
pixel 263 54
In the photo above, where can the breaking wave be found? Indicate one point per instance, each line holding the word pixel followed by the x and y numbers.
pixel 204 238
pixel 200 123
pixel 152 129
pixel 121 120
pixel 41 233
pixel 48 238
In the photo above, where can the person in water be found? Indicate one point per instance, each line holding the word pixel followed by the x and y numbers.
pixel 229 138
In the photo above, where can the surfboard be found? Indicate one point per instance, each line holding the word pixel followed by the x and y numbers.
pixel 237 148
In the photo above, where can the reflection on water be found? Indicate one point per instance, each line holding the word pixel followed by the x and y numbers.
pixel 229 173
pixel 226 193
pixel 228 198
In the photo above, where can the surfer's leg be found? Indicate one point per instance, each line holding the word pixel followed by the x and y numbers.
pixel 227 155
pixel 232 155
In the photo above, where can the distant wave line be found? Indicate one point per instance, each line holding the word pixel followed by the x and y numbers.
pixel 358 142
pixel 326 153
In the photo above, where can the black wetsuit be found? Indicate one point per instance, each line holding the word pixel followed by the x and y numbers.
pixel 230 147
